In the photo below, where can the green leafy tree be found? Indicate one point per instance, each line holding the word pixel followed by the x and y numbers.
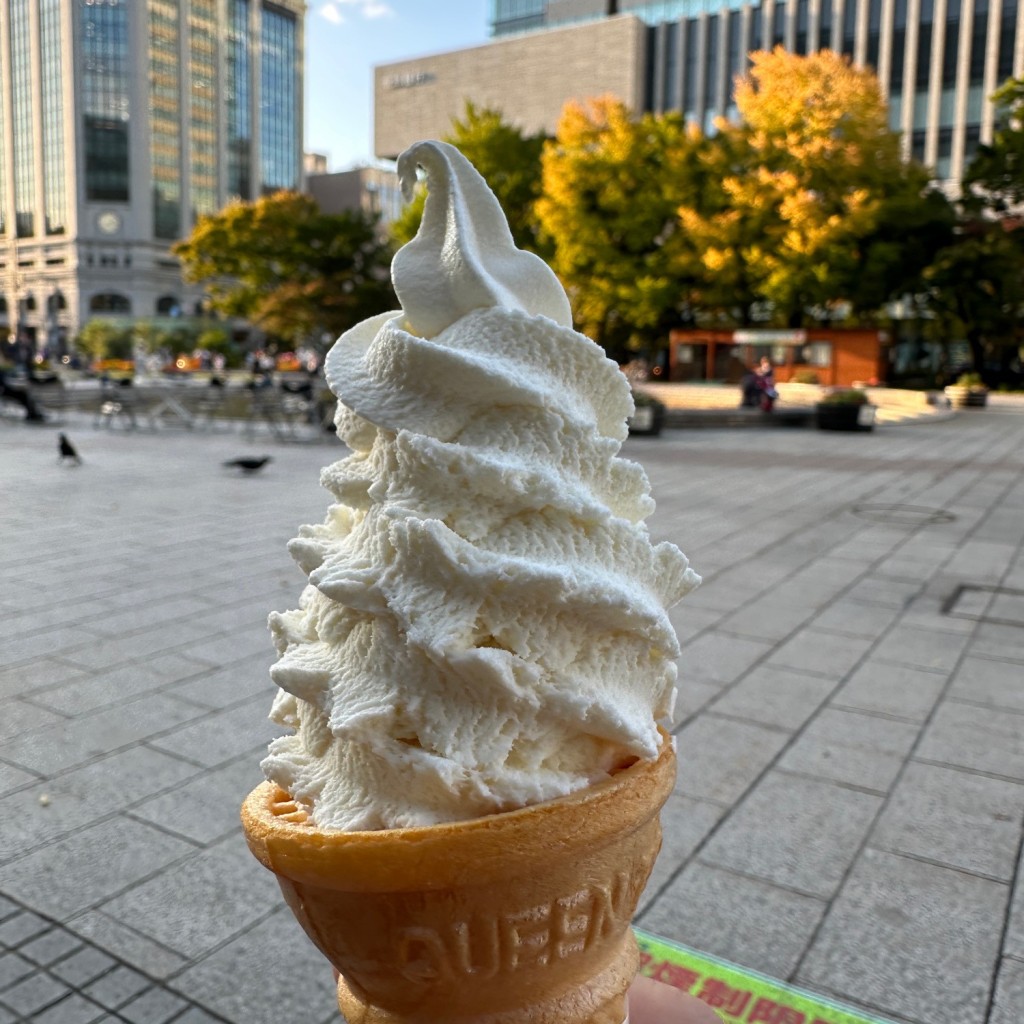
pixel 994 180
pixel 102 339
pixel 509 162
pixel 288 268
pixel 611 187
pixel 977 279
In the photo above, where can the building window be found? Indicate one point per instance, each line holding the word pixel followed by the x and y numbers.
pixel 165 115
pixel 690 90
pixel 778 25
pixel 802 18
pixel 814 353
pixel 110 302
pixel 167 305
pixel 105 103
pixel 279 102
pixel 825 25
pixel 52 69
pixel 1007 36
pixel 24 123
pixel 517 15
pixel 874 33
pixel 849 27
pixel 238 94
pixel 899 43
pixel 203 119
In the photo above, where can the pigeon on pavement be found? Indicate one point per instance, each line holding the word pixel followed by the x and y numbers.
pixel 248 465
pixel 67 451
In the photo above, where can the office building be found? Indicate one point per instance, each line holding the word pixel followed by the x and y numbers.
pixel 121 123
pixel 938 61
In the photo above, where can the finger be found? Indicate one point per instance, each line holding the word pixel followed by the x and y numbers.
pixel 652 1002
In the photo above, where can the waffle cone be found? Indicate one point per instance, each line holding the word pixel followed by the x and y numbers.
pixel 515 917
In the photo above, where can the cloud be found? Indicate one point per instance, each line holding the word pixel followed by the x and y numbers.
pixel 331 13
pixel 370 8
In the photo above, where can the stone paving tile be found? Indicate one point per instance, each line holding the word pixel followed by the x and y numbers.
pixel 222 735
pixel 76 741
pixel 20 716
pixel 887 593
pixel 88 867
pixel 921 648
pixel 231 684
pixel 83 795
pixel 14 778
pixel 43 644
pixel 692 697
pixel 855 618
pixel 744 920
pixel 996 684
pixel 144 614
pixel 25 679
pixel 853 748
pixel 795 832
pixel 891 690
pixel 719 758
pixel 980 738
pixel 910 938
pixel 116 685
pixel 1014 943
pixel 108 652
pixel 20 927
pixel 156 1006
pixel 293 973
pixel 831 655
pixel 998 641
pixel 14 967
pixel 79 969
pixel 183 908
pixel 721 658
pixel 775 696
pixel 1009 995
pixel 116 987
pixel 205 808
pixel 34 993
pixel 134 949
pixel 956 818
pixel 72 1010
pixel 684 825
pixel 56 944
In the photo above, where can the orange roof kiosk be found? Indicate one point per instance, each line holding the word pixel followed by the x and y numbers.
pixel 836 355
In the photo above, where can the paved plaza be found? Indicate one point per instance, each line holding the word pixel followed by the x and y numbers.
pixel 850 806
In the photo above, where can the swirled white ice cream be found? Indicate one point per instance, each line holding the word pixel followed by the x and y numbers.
pixel 484 626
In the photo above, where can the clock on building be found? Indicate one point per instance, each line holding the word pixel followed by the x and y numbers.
pixel 108 222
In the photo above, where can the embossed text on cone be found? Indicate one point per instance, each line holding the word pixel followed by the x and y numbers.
pixel 515 917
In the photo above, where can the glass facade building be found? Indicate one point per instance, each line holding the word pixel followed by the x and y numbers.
pixel 121 123
pixel 938 61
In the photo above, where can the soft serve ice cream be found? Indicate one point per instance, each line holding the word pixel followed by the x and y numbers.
pixel 484 626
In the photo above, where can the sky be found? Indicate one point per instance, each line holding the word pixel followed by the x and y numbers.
pixel 346 38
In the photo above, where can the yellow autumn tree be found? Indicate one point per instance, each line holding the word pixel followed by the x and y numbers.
pixel 814 169
pixel 611 185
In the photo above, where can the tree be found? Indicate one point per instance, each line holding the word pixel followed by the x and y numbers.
pixel 612 185
pixel 813 173
pixel 101 339
pixel 509 162
pixel 994 180
pixel 288 268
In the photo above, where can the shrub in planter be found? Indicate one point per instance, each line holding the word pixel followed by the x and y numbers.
pixel 845 409
pixel 648 415
pixel 969 391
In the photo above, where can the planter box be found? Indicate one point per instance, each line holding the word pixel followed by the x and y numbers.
pixel 845 417
pixel 647 420
pixel 966 398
